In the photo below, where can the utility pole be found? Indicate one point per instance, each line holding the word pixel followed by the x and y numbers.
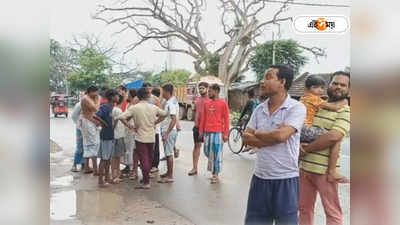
pixel 273 48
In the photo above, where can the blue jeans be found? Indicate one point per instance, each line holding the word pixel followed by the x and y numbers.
pixel 273 201
pixel 78 156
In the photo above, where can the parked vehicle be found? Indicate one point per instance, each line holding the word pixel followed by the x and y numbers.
pixel 58 104
pixel 187 94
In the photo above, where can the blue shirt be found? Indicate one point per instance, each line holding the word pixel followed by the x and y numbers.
pixel 105 113
pixel 279 161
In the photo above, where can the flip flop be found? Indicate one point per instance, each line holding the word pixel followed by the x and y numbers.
pixel 104 185
pixel 342 180
pixel 214 180
pixel 192 173
pixel 142 187
pixel 155 170
pixel 133 177
pixel 74 170
pixel 166 181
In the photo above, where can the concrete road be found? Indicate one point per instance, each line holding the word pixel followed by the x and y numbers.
pixel 194 198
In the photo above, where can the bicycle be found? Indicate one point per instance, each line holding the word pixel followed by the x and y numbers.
pixel 235 141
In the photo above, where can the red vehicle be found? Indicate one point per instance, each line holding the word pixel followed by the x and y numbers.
pixel 59 105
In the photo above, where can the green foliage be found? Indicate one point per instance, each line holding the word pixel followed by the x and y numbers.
pixel 286 52
pixel 172 76
pixel 214 64
pixel 156 79
pixel 63 60
pixel 93 70
pixel 234 117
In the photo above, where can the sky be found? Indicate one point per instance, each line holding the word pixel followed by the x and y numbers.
pixel 73 17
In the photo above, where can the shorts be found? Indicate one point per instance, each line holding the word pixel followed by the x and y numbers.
pixel 196 135
pixel 119 147
pixel 169 144
pixel 106 149
pixel 310 134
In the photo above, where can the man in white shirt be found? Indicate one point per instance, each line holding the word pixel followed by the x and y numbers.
pixel 168 130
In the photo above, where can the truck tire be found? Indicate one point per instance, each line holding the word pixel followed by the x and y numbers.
pixel 182 112
pixel 190 114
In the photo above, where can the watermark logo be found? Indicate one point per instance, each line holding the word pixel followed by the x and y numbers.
pixel 321 24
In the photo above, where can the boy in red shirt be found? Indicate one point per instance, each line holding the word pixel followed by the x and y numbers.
pixel 214 127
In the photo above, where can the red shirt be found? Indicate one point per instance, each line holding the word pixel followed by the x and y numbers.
pixel 198 104
pixel 124 105
pixel 103 100
pixel 215 117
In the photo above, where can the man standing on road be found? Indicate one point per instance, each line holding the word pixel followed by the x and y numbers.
pixel 214 127
pixel 145 117
pixel 89 123
pixel 198 107
pixel 274 130
pixel 316 156
pixel 78 156
pixel 168 130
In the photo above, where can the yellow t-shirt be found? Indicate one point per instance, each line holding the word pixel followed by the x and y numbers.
pixel 317 162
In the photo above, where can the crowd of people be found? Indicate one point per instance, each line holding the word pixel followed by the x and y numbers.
pixel 127 126
pixel 297 143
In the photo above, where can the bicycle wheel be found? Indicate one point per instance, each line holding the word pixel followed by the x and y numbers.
pixel 235 141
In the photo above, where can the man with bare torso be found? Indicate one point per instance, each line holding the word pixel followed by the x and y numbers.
pixel 89 123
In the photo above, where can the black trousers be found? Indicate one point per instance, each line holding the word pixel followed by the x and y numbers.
pixel 156 157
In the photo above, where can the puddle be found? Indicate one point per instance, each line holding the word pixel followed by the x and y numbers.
pixel 86 205
pixel 63 205
pixel 62 181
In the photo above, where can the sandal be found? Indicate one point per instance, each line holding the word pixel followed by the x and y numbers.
pixel 154 170
pixel 88 171
pixel 143 187
pixel 133 177
pixel 191 173
pixel 164 175
pixel 214 180
pixel 166 181
pixel 104 185
pixel 117 180
pixel 74 169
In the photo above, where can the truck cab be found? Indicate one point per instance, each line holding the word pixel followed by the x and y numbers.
pixel 187 94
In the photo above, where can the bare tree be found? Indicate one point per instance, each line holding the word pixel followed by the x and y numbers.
pixel 243 22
